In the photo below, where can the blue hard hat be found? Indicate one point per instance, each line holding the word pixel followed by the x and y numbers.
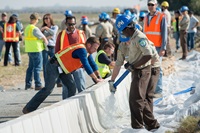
pixel 122 22
pixel 84 21
pixel 68 13
pixel 184 8
pixel 127 12
pixel 158 9
pixel 102 15
pixel 142 14
pixel 106 16
pixel 123 38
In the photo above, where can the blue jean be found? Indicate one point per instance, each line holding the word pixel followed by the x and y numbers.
pixel 159 86
pixel 177 38
pixel 190 40
pixel 2 43
pixel 34 67
pixel 79 78
pixel 18 52
pixel 50 80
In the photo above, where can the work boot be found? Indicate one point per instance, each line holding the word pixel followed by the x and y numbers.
pixel 25 110
pixel 38 88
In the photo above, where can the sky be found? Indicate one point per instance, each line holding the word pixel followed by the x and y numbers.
pixel 18 4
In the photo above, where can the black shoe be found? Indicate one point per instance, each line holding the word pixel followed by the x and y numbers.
pixel 28 87
pixel 59 85
pixel 38 88
pixel 25 110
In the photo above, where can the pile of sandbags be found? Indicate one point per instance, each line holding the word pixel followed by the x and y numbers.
pixel 168 65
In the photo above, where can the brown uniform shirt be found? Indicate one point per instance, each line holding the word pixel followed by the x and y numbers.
pixel 104 30
pixel 184 23
pixel 139 46
pixel 122 54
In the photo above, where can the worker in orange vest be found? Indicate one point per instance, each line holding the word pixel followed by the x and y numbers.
pixel 72 35
pixel 155 28
pixel 11 37
pixel 62 65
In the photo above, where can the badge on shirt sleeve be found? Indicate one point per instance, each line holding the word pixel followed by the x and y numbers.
pixel 142 42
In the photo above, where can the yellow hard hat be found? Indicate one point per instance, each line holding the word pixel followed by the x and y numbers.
pixel 165 4
pixel 116 10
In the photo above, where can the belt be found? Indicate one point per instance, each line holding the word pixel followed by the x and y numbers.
pixel 51 46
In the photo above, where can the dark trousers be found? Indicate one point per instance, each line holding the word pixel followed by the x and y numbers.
pixel 141 112
pixel 183 43
pixel 155 72
pixel 14 45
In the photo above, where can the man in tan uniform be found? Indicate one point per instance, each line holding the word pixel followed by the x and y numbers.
pixel 184 23
pixel 140 58
pixel 104 30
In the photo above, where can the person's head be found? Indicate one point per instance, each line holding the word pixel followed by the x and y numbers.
pixel 92 44
pixel 12 20
pixel 115 12
pixel 177 14
pixel 34 18
pixel 190 13
pixel 84 21
pixel 71 23
pixel 109 48
pixel 184 10
pixel 125 25
pixel 164 5
pixel 47 20
pixel 4 16
pixel 152 4
pixel 15 15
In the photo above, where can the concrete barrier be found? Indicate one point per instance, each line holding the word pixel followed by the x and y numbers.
pixel 94 110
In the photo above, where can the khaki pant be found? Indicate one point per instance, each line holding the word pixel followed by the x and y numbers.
pixel 169 49
pixel 141 112
pixel 183 43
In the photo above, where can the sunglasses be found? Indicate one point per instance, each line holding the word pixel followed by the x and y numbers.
pixel 71 24
pixel 150 4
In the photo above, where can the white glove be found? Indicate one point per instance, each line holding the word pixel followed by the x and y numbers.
pixel 111 87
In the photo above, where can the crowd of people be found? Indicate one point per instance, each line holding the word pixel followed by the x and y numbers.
pixel 140 42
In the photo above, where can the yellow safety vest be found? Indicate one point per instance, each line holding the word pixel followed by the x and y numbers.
pixel 32 43
pixel 103 68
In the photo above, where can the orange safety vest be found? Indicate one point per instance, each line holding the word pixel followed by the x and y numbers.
pixel 153 30
pixel 64 41
pixel 65 59
pixel 10 34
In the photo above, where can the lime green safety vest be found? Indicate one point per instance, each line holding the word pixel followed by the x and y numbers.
pixel 32 43
pixel 174 25
pixel 103 68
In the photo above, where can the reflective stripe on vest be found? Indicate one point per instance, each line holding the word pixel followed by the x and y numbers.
pixel 10 33
pixel 32 43
pixel 64 41
pixel 65 59
pixel 103 68
pixel 153 30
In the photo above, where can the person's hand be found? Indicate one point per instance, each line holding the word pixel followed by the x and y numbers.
pixel 97 80
pixel 111 87
pixel 162 53
pixel 129 67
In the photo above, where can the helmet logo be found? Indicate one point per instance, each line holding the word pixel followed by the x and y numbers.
pixel 120 23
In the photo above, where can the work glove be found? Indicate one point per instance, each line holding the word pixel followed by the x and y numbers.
pixel 129 67
pixel 111 86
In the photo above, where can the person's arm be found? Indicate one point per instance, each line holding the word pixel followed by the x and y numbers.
pixel 82 55
pixel 115 72
pixel 164 36
pixel 57 47
pixel 103 58
pixel 37 33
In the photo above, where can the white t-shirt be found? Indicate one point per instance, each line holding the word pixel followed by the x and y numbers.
pixel 193 21
pixel 168 17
